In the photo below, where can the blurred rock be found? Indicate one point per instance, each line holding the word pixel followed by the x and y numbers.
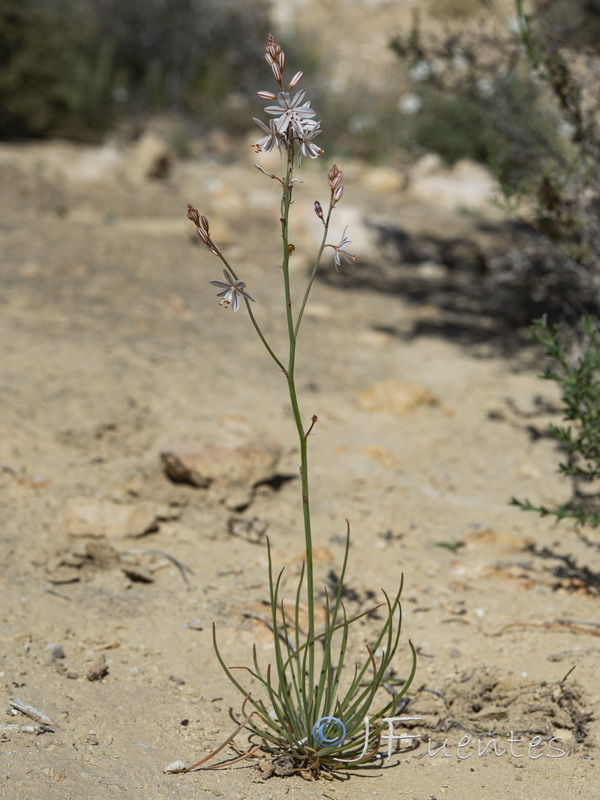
pixel 98 669
pixel 432 271
pixel 395 397
pixel 467 185
pixel 92 516
pixel 231 469
pixel 384 180
pixel 151 158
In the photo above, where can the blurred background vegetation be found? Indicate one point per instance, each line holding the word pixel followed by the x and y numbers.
pixel 75 68
pixel 515 89
pixel 78 68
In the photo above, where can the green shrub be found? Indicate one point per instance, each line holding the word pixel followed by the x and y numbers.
pixel 576 23
pixel 525 103
pixel 477 105
pixel 501 124
pixel 577 373
pixel 72 68
pixel 33 65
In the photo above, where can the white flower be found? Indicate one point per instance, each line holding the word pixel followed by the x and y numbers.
pixel 340 251
pixel 307 148
pixel 272 138
pixel 292 113
pixel 231 291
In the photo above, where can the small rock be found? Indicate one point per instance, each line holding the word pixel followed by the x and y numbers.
pixel 138 574
pixel 432 271
pixel 175 766
pixel 232 470
pixel 91 516
pixel 56 650
pixel 62 575
pixel 395 397
pixel 152 158
pixel 266 769
pixel 98 669
pixel 384 180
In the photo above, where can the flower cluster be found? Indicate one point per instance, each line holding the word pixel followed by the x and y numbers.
pixel 232 288
pixel 202 230
pixel 294 127
pixel 334 177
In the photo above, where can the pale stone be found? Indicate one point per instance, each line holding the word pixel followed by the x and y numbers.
pixel 395 397
pixel 384 180
pixel 151 158
pixel 467 185
pixel 231 469
pixel 92 516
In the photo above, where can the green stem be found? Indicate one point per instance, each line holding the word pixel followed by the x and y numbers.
pixel 302 435
pixel 314 269
pixel 253 318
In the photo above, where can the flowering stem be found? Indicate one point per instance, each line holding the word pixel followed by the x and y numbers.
pixel 253 319
pixel 314 270
pixel 302 435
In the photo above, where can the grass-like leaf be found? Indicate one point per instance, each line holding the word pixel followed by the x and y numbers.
pixel 285 716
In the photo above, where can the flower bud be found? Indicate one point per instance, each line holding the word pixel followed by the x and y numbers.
pixel 337 195
pixel 318 209
pixel 204 222
pixel 267 95
pixel 193 215
pixel 203 235
pixel 272 47
pixel 295 80
pixel 276 70
pixel 334 176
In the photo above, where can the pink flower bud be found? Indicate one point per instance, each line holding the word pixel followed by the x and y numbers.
pixel 193 215
pixel 337 195
pixel 272 47
pixel 276 71
pixel 334 176
pixel 267 95
pixel 203 235
pixel 295 80
pixel 204 222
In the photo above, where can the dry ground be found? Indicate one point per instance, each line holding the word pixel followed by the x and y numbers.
pixel 113 345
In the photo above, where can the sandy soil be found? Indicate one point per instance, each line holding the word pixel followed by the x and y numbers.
pixel 114 345
pixel 114 348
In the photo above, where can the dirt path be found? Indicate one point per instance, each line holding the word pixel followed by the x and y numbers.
pixel 114 346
